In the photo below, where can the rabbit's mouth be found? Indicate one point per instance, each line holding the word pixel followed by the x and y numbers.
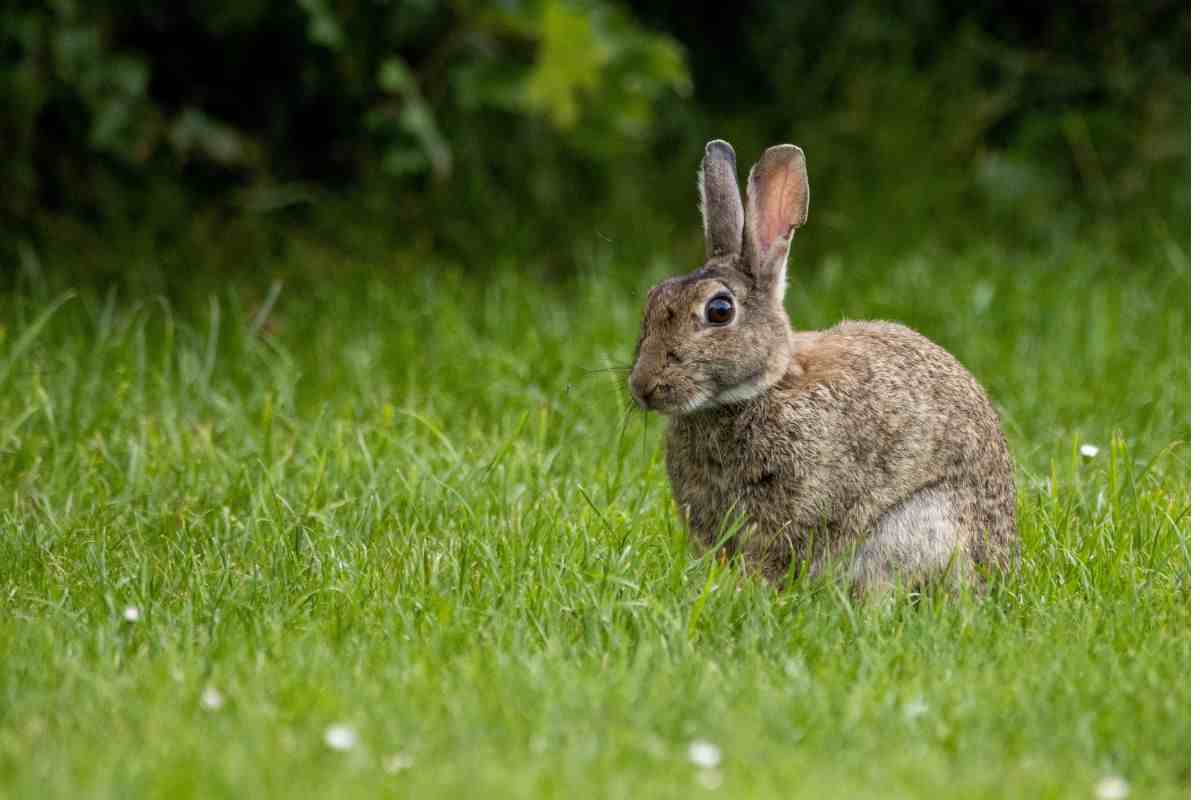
pixel 672 400
pixel 653 394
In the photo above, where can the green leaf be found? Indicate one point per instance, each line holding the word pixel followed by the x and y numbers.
pixel 395 77
pixel 323 27
pixel 195 133
pixel 569 64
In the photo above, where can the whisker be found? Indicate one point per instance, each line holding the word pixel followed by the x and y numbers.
pixel 616 368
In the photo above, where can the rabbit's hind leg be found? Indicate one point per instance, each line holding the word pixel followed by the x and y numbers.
pixel 917 541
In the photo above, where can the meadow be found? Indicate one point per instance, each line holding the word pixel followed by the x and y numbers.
pixel 350 527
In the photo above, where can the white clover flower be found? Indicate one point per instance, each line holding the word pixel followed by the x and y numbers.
pixel 211 699
pixel 704 754
pixel 1089 450
pixel 1112 788
pixel 397 762
pixel 132 614
pixel 914 709
pixel 340 738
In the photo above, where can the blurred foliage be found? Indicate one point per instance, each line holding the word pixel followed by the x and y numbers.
pixel 531 125
pixel 315 90
pixel 1036 120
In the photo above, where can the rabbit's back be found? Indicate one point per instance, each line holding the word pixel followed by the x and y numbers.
pixel 868 416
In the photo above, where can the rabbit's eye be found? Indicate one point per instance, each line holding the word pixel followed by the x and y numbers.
pixel 719 310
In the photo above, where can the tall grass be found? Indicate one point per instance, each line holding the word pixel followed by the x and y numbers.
pixel 409 502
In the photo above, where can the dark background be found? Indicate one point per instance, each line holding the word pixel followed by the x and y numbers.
pixel 468 129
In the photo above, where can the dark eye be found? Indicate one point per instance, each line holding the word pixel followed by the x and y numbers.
pixel 719 310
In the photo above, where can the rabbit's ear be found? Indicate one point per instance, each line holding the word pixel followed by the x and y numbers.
pixel 778 204
pixel 720 200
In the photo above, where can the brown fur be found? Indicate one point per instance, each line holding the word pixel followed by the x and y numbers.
pixel 865 444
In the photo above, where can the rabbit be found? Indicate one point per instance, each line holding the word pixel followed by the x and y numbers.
pixel 865 445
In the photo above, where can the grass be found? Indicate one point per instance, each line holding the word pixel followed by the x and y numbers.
pixel 403 500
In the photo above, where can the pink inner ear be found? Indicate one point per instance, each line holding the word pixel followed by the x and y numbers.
pixel 780 195
pixel 779 210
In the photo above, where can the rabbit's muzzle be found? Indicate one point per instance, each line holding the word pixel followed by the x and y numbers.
pixel 664 391
pixel 646 390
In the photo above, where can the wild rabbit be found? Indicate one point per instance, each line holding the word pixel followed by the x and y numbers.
pixel 864 445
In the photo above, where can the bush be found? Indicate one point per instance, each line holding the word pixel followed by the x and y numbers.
pixel 234 93
pixel 531 125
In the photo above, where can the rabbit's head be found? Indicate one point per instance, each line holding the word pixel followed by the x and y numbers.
pixel 721 334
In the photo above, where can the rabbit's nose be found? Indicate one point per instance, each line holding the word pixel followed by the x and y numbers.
pixel 644 392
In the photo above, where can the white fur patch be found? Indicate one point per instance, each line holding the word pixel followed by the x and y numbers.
pixel 736 394
pixel 781 282
pixel 917 538
pixel 777 258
